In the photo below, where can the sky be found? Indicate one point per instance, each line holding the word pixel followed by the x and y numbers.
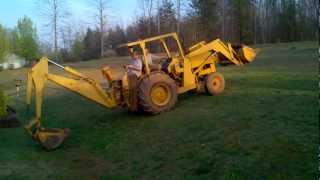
pixel 120 12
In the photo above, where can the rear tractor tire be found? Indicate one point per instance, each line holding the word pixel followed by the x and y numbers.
pixel 215 83
pixel 157 93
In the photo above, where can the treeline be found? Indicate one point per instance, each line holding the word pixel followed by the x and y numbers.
pixel 237 21
pixel 255 21
pixel 21 40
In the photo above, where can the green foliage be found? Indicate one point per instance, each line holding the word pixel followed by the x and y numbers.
pixel 3 103
pixel 78 49
pixel 91 44
pixel 22 40
pixel 26 39
pixel 4 42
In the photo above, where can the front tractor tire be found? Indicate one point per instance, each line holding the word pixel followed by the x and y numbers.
pixel 215 83
pixel 157 93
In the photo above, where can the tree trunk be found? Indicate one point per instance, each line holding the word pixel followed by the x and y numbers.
pixel 101 29
pixel 223 19
pixel 158 17
pixel 178 17
pixel 55 24
pixel 150 16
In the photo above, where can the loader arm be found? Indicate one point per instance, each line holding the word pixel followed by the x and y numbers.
pixel 237 55
pixel 79 83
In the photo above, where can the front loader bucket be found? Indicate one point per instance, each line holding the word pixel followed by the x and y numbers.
pixel 51 138
pixel 239 55
pixel 247 54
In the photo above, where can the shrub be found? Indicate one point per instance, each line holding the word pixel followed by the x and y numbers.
pixel 3 104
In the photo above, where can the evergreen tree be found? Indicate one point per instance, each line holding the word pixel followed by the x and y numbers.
pixel 91 44
pixel 115 37
pixel 78 49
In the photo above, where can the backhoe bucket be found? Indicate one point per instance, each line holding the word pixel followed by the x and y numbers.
pixel 51 138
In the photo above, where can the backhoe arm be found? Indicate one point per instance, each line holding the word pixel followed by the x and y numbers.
pixel 79 83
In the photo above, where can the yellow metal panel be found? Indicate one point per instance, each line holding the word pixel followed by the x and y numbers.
pixel 74 72
pixel 38 78
pixel 217 46
pixel 166 48
pixel 196 46
pixel 198 60
pixel 206 71
pixel 160 38
pixel 179 45
pixel 85 86
pixel 146 64
pixel 188 76
pixel 151 39
pixel 186 88
pixel 90 90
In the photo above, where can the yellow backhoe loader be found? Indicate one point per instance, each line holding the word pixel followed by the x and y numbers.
pixel 156 90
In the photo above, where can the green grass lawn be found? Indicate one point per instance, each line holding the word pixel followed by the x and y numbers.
pixel 264 126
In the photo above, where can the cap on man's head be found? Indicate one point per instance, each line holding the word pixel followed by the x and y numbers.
pixel 137 51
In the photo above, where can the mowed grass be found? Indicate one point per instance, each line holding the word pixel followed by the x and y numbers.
pixel 264 126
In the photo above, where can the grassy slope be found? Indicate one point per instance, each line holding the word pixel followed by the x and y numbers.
pixel 265 126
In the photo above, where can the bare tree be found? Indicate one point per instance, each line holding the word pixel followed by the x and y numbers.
pixel 101 15
pixel 146 7
pixel 178 16
pixel 158 17
pixel 56 11
pixel 223 18
pixel 66 34
pixel 55 24
pixel 150 6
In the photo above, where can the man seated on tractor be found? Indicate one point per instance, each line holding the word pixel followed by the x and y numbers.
pixel 135 67
pixel 134 72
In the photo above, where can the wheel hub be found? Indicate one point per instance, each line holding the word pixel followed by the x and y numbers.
pixel 216 83
pixel 160 95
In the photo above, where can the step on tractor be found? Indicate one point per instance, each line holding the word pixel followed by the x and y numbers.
pixel 156 89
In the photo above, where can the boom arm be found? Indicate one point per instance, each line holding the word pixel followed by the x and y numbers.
pixel 237 55
pixel 81 84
